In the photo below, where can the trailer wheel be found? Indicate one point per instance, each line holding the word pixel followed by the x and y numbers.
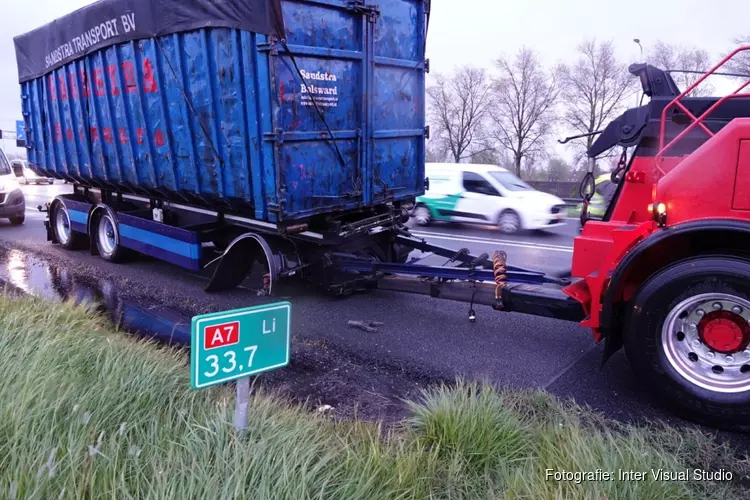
pixel 687 337
pixel 107 237
pixel 63 231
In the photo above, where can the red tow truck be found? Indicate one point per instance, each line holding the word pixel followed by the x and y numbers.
pixel 666 273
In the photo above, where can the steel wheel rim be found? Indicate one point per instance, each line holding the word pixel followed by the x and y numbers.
pixel 107 237
pixel 421 215
pixel 509 223
pixel 62 224
pixel 691 356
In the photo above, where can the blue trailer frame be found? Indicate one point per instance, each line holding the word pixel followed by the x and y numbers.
pixel 189 243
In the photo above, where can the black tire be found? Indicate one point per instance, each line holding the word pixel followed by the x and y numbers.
pixel 106 234
pixel 703 399
pixel 51 181
pixel 18 220
pixel 70 240
pixel 509 222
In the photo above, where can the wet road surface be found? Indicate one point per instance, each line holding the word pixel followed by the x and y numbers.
pixel 423 338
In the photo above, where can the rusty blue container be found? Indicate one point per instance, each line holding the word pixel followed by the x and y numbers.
pixel 320 109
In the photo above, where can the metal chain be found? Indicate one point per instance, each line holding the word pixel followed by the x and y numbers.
pixel 586 190
pixel 621 165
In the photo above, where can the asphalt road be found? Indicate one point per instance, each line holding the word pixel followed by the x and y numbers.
pixel 434 336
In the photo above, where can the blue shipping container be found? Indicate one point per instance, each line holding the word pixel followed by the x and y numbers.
pixel 221 116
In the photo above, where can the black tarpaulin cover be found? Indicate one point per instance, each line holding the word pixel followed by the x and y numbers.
pixel 109 22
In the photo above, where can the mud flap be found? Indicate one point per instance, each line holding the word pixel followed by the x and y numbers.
pixel 237 262
pixel 233 267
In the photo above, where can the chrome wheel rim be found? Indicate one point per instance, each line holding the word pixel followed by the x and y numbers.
pixel 422 215
pixel 705 340
pixel 62 224
pixel 107 237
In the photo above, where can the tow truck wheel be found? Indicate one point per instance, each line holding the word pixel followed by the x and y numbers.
pixel 688 338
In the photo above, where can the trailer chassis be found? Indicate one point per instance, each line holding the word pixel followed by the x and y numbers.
pixel 372 253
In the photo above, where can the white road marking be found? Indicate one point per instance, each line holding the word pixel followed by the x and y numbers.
pixel 488 241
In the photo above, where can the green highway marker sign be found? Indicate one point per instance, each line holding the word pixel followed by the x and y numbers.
pixel 230 345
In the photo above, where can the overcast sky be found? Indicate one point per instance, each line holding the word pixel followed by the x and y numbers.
pixel 477 31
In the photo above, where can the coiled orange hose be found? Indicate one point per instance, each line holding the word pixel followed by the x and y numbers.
pixel 499 261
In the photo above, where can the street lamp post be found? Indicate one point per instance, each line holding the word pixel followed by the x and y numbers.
pixel 638 41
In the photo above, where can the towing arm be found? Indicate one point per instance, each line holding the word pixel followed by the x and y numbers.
pixel 476 280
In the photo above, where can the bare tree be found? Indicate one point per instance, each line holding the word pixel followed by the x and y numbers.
pixel 741 62
pixel 594 89
pixel 435 154
pixel 558 170
pixel 670 57
pixel 491 157
pixel 458 108
pixel 522 111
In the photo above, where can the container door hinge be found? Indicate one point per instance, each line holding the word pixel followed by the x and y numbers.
pixel 427 132
pixel 271 46
pixel 371 11
pixel 277 137
pixel 426 65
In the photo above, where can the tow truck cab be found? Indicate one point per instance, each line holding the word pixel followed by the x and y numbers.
pixel 666 272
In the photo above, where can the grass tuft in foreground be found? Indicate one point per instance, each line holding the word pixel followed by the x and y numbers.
pixel 87 413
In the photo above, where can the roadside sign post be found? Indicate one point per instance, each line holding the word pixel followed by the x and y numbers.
pixel 20 133
pixel 234 345
pixel 243 399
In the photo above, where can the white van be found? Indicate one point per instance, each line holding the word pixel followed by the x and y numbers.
pixel 485 194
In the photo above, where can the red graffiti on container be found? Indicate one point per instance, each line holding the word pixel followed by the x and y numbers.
pixel 51 87
pixel 63 88
pixel 112 69
pixel 149 82
pixel 128 69
pixel 125 72
pixel 99 82
pixel 73 87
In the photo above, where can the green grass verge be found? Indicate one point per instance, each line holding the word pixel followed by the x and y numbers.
pixel 89 413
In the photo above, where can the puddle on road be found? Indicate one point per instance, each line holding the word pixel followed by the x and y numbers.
pixel 37 277
pixel 321 374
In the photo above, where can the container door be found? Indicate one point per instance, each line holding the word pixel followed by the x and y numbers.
pixel 320 110
pixel 398 108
